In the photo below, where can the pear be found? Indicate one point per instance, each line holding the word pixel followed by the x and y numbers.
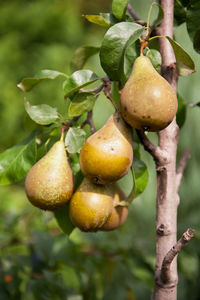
pixel 107 155
pixel 50 182
pixel 119 213
pixel 147 100
pixel 90 206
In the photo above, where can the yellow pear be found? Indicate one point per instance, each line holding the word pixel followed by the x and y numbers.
pixel 107 155
pixel 90 206
pixel 147 100
pixel 119 213
pixel 50 182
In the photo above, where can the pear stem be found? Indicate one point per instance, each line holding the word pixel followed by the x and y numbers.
pixel 62 133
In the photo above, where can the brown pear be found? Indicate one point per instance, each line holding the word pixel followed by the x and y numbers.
pixel 147 100
pixel 50 182
pixel 119 213
pixel 107 155
pixel 90 206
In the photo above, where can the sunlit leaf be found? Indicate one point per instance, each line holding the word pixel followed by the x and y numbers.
pixel 115 42
pixel 15 162
pixel 74 139
pixel 185 64
pixel 119 8
pixel 81 55
pixel 28 83
pixel 103 19
pixel 78 80
pixel 160 15
pixel 81 103
pixel 41 114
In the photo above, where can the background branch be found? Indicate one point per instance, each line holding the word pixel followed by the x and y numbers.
pixel 181 167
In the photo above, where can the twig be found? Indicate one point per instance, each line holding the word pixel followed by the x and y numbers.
pixel 95 91
pixel 155 151
pixel 134 15
pixel 165 275
pixel 181 167
pixel 107 88
pixel 89 121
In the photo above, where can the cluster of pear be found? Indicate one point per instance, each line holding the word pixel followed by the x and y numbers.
pixel 147 102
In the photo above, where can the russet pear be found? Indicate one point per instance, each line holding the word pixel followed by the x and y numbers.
pixel 90 206
pixel 50 182
pixel 119 213
pixel 147 100
pixel 107 155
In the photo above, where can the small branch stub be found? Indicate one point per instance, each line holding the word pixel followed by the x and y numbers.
pixel 165 275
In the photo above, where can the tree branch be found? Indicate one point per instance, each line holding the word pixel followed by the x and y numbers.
pixel 165 275
pixel 134 15
pixel 181 167
pixel 155 151
pixel 89 121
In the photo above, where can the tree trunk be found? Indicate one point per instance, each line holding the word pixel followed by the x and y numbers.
pixel 167 197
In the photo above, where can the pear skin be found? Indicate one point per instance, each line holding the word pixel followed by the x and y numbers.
pixel 147 100
pixel 107 155
pixel 119 213
pixel 50 182
pixel 90 206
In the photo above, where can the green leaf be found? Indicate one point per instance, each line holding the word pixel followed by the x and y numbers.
pixel 28 83
pixel 184 62
pixel 41 114
pixel 155 57
pixel 63 219
pixel 119 8
pixel 115 42
pixel 74 139
pixel 81 55
pixel 160 14
pixel 131 53
pixel 81 103
pixel 181 112
pixel 78 80
pixel 141 175
pixel 193 25
pixel 15 162
pixel 103 19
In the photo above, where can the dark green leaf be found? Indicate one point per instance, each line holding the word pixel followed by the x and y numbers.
pixel 155 57
pixel 81 55
pixel 15 162
pixel 180 12
pixel 131 53
pixel 63 220
pixel 103 19
pixel 141 175
pixel 119 8
pixel 78 80
pixel 81 103
pixel 41 114
pixel 115 42
pixel 74 139
pixel 181 113
pixel 28 83
pixel 184 62
pixel 193 25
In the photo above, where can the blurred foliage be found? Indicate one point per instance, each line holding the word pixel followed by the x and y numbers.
pixel 36 260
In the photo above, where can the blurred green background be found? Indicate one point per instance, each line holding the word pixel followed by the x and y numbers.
pixel 36 260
